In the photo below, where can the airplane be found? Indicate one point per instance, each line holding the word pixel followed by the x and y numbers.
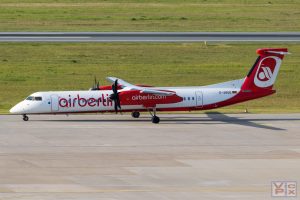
pixel 122 96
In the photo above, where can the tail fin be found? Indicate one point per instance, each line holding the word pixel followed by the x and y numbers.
pixel 264 71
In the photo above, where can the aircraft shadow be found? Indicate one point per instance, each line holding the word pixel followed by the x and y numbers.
pixel 216 116
pixel 219 118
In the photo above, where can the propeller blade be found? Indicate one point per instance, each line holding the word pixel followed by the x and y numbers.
pixel 96 84
pixel 118 102
pixel 116 107
pixel 115 86
pixel 115 96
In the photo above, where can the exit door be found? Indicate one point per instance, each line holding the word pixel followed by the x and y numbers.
pixel 199 99
pixel 54 103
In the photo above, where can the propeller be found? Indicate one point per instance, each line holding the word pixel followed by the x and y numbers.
pixel 115 96
pixel 96 85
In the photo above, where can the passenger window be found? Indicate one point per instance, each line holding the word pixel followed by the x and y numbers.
pixel 38 98
pixel 193 98
pixel 189 98
pixel 184 98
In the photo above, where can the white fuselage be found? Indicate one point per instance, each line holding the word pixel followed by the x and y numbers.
pixel 98 100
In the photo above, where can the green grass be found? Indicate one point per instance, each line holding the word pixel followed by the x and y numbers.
pixel 29 67
pixel 155 15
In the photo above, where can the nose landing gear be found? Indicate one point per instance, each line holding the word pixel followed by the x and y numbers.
pixel 25 118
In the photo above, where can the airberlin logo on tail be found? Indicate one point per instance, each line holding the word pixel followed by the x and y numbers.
pixel 267 71
pixel 265 74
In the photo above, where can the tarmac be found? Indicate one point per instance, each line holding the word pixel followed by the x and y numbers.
pixel 186 156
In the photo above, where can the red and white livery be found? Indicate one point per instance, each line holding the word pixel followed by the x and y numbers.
pixel 125 97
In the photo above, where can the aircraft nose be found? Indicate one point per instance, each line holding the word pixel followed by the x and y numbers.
pixel 17 109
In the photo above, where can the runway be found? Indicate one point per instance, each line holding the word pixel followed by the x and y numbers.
pixel 186 156
pixel 149 36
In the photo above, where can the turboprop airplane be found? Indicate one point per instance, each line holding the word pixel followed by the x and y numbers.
pixel 122 96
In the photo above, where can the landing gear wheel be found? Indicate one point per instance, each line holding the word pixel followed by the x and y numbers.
pixel 155 119
pixel 135 114
pixel 25 118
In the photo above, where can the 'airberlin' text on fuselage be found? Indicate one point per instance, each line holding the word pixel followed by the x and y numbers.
pixel 83 102
pixel 148 97
pixel 103 100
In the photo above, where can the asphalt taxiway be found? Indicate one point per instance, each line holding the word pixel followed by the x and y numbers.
pixel 186 156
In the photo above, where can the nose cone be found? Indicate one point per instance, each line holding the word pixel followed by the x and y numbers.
pixel 17 109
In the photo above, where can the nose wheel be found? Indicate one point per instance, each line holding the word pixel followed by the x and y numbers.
pixel 135 114
pixel 25 118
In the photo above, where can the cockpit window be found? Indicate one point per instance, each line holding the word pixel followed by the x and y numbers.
pixel 38 98
pixel 32 98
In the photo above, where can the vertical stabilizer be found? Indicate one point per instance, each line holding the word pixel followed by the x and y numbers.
pixel 263 74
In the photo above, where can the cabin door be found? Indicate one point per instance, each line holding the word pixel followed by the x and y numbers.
pixel 54 103
pixel 199 99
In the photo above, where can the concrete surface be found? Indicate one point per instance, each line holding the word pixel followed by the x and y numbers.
pixel 186 156
pixel 149 36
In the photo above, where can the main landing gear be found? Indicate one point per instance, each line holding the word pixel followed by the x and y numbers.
pixel 25 118
pixel 154 119
pixel 135 114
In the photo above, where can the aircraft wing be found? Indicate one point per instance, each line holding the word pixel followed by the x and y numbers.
pixel 129 86
pixel 121 82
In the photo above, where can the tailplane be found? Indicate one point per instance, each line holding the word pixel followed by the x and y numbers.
pixel 264 71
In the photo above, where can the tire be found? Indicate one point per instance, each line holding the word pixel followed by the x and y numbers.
pixel 25 118
pixel 135 114
pixel 155 119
